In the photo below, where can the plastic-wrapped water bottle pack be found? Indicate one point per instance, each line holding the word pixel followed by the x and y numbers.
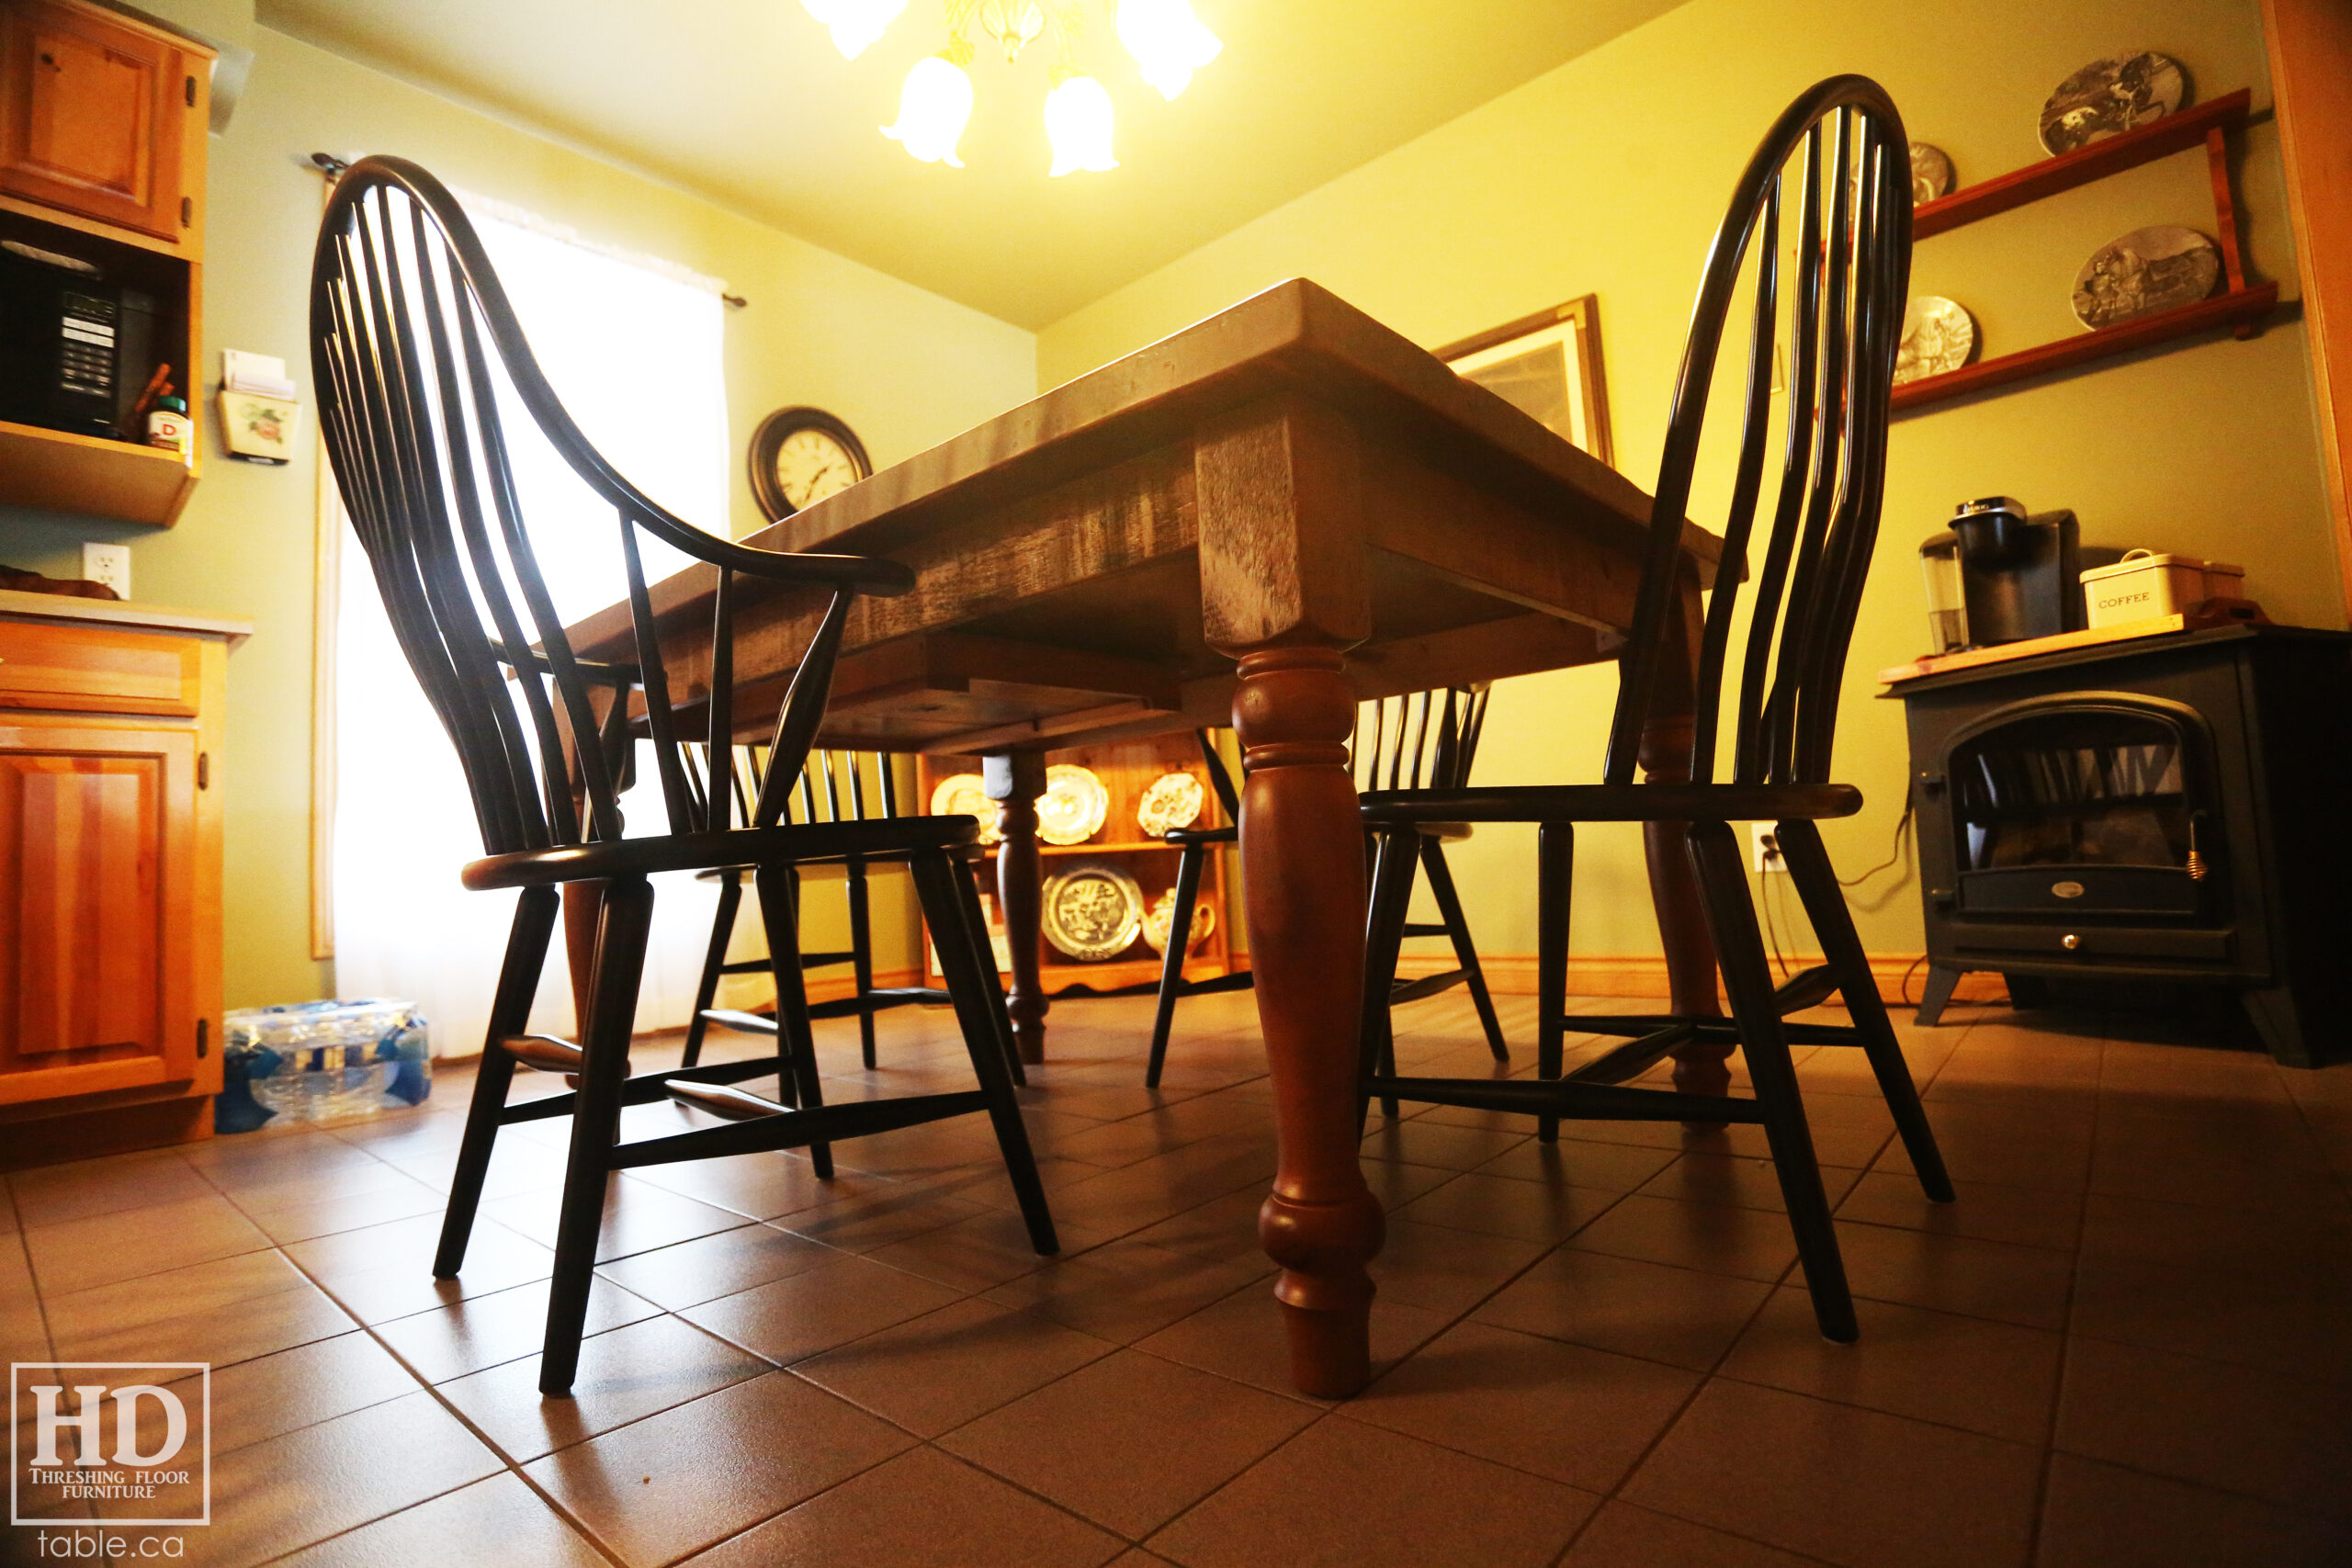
pixel 322 1061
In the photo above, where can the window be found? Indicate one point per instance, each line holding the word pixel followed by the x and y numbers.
pixel 634 348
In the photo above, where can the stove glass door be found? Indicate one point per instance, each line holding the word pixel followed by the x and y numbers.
pixel 2079 809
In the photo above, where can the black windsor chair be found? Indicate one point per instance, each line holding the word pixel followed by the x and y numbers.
pixel 410 329
pixel 840 797
pixel 1847 309
pixel 1424 740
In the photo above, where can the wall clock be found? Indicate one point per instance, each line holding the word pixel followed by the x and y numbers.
pixel 801 456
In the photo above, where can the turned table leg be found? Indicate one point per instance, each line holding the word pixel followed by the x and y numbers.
pixel 1015 779
pixel 583 904
pixel 1674 891
pixel 1302 861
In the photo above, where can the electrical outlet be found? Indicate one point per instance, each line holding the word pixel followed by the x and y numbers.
pixel 109 564
pixel 1764 839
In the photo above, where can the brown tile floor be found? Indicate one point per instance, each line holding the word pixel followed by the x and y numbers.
pixel 2128 1343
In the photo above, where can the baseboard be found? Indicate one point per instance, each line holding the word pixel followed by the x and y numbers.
pixel 118 1129
pixel 1644 975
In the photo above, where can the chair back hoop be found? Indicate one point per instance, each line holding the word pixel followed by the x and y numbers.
pixel 410 335
pixel 1421 741
pixel 1845 312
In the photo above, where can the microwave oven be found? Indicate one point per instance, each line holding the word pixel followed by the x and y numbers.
pixel 75 351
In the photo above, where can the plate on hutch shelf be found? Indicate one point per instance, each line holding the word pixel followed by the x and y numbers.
pixel 966 794
pixel 2110 96
pixel 1161 920
pixel 1072 808
pixel 1092 913
pixel 1173 801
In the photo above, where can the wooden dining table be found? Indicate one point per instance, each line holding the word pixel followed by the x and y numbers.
pixel 1260 521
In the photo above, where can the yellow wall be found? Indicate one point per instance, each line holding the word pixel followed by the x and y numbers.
pixel 1605 175
pixel 1608 175
pixel 905 367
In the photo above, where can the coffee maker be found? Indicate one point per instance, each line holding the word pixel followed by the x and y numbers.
pixel 2001 574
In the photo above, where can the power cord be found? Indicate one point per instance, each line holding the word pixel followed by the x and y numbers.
pixel 1771 930
pixel 1899 849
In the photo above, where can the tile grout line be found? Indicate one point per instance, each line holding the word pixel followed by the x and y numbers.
pixel 511 1466
pixel 2035 1520
pixel 32 1276
pixel 1708 1378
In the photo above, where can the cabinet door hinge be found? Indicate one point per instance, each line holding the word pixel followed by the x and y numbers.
pixel 203 1038
pixel 191 92
pixel 188 212
pixel 203 769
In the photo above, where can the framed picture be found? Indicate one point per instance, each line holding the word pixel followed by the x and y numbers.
pixel 258 429
pixel 1548 366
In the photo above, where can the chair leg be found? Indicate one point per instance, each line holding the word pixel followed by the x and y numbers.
pixel 936 875
pixel 795 1032
pixel 1555 849
pixel 1824 905
pixel 1466 956
pixel 510 1013
pixel 621 930
pixel 1171 965
pixel 861 955
pixel 1739 948
pixel 967 889
pixel 1392 897
pixel 722 932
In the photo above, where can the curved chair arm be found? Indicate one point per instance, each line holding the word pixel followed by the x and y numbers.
pixel 864 574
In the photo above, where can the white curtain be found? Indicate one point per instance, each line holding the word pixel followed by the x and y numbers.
pixel 635 350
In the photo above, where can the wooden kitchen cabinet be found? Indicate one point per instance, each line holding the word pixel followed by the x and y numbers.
pixel 99 113
pixel 102 156
pixel 110 869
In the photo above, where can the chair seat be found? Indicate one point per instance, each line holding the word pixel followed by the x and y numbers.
pixel 1614 802
pixel 737 847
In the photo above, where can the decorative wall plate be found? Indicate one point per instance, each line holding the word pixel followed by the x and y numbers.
pixel 1930 173
pixel 1173 801
pixel 1073 806
pixel 2147 270
pixel 965 794
pixel 1939 335
pixel 1092 913
pixel 1161 921
pixel 2110 96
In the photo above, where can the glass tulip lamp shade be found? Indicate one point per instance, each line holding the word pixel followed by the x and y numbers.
pixel 855 24
pixel 934 109
pixel 1078 123
pixel 1167 40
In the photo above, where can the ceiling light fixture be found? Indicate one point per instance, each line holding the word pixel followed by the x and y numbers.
pixel 1166 38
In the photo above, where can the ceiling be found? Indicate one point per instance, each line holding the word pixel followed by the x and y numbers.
pixel 746 102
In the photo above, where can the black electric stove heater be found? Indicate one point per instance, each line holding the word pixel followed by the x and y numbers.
pixel 2165 809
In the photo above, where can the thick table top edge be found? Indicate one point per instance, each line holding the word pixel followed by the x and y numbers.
pixel 1295 337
